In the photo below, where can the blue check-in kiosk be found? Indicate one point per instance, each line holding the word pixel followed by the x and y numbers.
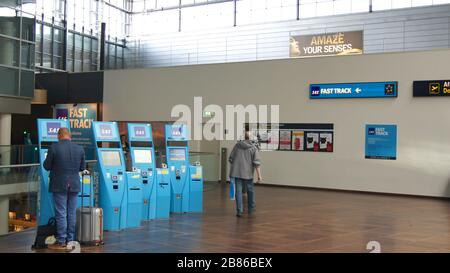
pixel 120 192
pixel 112 175
pixel 47 135
pixel 155 182
pixel 186 187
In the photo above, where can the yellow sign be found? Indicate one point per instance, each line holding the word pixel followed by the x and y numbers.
pixel 164 171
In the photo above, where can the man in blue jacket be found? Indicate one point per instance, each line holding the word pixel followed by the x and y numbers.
pixel 64 161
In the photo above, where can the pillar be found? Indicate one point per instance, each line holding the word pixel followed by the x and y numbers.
pixel 5 157
pixel 4 216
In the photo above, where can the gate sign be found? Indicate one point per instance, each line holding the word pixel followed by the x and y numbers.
pixel 353 90
pixel 431 88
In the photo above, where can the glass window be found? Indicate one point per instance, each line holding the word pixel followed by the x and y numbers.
pixel 9 52
pixel 9 22
pixel 28 55
pixel 28 28
pixel 26 83
pixel 9 81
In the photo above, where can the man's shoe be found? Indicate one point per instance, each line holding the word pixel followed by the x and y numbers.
pixel 58 246
pixel 239 215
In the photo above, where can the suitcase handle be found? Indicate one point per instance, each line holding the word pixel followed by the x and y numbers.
pixel 82 202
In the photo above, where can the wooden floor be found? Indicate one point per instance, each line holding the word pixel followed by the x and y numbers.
pixel 286 220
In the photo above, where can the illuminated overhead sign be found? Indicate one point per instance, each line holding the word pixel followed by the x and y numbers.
pixel 330 44
pixel 440 88
pixel 353 90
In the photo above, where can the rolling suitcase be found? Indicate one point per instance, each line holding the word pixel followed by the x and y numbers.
pixel 89 221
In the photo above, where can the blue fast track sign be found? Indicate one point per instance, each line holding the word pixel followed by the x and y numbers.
pixel 353 90
pixel 381 141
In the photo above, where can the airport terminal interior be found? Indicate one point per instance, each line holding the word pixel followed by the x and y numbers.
pixel 331 115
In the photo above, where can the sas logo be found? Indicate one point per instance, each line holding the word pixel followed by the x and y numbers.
pixel 105 130
pixel 435 88
pixel 371 131
pixel 52 128
pixel 139 131
pixel 62 113
pixel 177 130
pixel 315 91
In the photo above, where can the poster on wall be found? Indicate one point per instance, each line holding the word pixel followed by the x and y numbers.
pixel 329 44
pixel 440 88
pixel 326 141
pixel 80 117
pixel 298 140
pixel 294 136
pixel 285 140
pixel 273 140
pixel 312 141
pixel 381 142
pixel 263 138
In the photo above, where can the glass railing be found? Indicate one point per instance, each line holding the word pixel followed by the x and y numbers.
pixel 29 154
pixel 19 187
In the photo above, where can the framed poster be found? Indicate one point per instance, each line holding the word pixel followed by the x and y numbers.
pixel 263 138
pixel 381 142
pixel 326 141
pixel 312 141
pixel 285 140
pixel 298 140
pixel 273 140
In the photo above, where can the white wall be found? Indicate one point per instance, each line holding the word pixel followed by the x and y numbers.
pixel 423 164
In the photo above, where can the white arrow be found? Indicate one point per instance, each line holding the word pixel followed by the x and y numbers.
pixel 358 90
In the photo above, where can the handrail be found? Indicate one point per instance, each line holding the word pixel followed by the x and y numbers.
pixel 87 161
pixel 31 165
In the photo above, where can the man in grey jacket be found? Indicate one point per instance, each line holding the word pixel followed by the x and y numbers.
pixel 244 160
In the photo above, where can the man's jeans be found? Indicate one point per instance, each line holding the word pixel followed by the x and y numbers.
pixel 250 195
pixel 65 214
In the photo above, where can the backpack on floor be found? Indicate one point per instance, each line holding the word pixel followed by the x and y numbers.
pixel 43 232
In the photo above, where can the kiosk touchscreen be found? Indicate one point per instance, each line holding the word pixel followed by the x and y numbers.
pixel 186 189
pixel 112 176
pixel 156 188
pixel 47 135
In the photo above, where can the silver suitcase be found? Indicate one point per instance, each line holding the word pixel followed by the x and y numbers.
pixel 89 223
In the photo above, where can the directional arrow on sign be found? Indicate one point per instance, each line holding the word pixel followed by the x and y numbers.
pixel 358 90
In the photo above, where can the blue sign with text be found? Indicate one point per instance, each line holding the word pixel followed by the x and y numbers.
pixel 353 90
pixel 381 141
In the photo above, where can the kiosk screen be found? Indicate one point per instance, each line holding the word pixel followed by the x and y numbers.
pixel 111 158
pixel 177 154
pixel 143 156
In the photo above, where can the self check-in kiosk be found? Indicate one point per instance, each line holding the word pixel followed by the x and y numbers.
pixel 120 192
pixel 143 161
pixel 155 182
pixel 186 180
pixel 47 135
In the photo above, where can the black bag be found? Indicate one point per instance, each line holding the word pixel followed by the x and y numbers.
pixel 43 232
